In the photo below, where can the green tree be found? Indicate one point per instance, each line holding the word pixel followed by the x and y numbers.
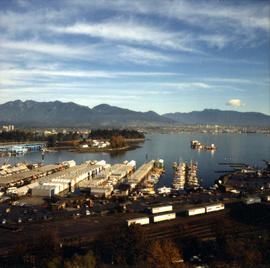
pixel 122 245
pixel 47 244
pixel 117 141
pixel 163 255
pixel 51 141
pixel 77 261
pixel 242 254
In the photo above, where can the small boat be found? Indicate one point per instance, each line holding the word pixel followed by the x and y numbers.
pixel 164 190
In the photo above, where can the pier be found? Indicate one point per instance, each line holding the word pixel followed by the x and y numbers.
pixel 140 174
pixel 233 164
pixel 267 162
pixel 15 149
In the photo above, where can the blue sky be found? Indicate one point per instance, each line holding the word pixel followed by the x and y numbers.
pixel 161 55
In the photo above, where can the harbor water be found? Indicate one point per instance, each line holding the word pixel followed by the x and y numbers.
pixel 250 149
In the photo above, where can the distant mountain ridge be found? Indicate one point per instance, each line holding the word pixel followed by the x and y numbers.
pixel 218 117
pixel 58 114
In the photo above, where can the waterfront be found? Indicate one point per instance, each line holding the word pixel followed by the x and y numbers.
pixel 245 148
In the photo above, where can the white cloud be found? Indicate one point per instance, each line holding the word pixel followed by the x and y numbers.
pixel 229 80
pixel 249 15
pixel 143 56
pixel 235 103
pixel 241 21
pixel 219 41
pixel 49 48
pixel 183 85
pixel 131 32
pixel 22 77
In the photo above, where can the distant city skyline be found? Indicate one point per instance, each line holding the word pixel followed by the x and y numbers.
pixel 165 56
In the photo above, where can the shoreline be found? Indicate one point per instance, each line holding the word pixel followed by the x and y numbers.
pixel 95 150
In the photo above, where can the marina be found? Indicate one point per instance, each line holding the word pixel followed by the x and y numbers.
pixel 185 176
pixel 20 149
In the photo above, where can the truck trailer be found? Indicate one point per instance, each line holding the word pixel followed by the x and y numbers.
pixel 195 211
pixel 141 221
pixel 161 209
pixel 215 207
pixel 164 217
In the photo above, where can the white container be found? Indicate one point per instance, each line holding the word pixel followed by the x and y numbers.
pixel 215 207
pixel 164 217
pixel 195 211
pixel 162 209
pixel 140 221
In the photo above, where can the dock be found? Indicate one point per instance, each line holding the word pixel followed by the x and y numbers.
pixel 233 164
pixel 267 162
pixel 140 174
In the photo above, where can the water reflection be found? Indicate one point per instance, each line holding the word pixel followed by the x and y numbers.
pixel 117 154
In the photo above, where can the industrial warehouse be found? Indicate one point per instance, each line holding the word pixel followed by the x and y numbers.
pixel 97 178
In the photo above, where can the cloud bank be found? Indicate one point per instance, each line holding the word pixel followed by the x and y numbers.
pixel 235 103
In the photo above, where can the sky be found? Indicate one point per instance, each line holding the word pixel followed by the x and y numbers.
pixel 159 55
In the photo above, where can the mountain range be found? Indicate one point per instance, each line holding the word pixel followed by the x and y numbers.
pixel 218 117
pixel 58 114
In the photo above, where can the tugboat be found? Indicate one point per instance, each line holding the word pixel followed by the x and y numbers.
pixel 195 144
pixel 164 190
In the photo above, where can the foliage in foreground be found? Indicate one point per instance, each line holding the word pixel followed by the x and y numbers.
pixel 120 246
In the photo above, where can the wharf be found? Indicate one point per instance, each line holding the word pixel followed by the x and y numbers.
pixel 232 164
pixel 140 174
pixel 224 171
pixel 267 162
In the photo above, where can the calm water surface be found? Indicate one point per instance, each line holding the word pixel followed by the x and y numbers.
pixel 244 148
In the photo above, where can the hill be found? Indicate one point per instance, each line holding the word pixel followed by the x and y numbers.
pixel 59 114
pixel 218 117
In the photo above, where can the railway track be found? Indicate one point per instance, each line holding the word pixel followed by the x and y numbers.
pixel 204 228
